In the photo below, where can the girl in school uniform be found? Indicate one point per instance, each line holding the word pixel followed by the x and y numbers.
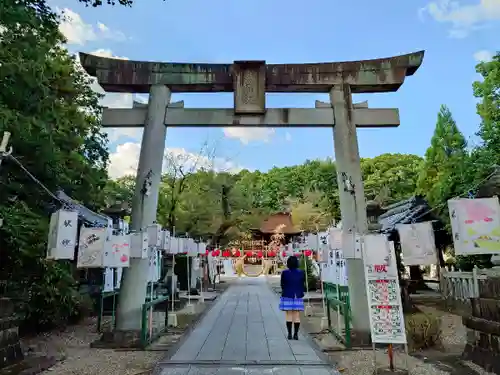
pixel 292 296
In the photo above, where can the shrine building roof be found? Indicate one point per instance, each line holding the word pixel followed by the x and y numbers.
pixel 281 220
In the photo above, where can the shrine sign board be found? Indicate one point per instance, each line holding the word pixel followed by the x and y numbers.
pixel 382 290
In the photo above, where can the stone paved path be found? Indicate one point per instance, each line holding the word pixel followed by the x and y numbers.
pixel 244 333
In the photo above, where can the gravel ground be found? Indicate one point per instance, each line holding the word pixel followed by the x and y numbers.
pixel 72 346
pixel 441 361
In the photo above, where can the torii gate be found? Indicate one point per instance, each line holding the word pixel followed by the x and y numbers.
pixel 250 80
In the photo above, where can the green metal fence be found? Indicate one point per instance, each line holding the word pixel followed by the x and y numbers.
pixel 338 304
pixel 107 307
pixel 154 320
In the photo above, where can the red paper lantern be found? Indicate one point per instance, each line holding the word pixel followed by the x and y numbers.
pixel 260 254
pixel 216 253
pixel 207 252
pixel 249 253
pixel 237 253
pixel 308 253
pixel 284 254
pixel 271 254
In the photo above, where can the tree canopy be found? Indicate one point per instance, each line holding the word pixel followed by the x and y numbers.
pixel 48 106
pixel 98 3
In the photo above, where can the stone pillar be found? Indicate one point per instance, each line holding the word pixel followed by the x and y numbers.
pixel 352 203
pixel 144 206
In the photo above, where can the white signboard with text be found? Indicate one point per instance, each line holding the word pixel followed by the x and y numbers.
pixel 382 289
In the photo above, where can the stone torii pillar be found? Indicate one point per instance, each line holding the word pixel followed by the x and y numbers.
pixel 250 80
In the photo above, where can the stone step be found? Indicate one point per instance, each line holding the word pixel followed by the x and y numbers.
pixel 10 347
pixel 6 307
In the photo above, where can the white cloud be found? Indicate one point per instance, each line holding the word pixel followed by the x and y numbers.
pixel 116 100
pixel 78 32
pixel 247 135
pixel 288 137
pixel 483 55
pixel 125 159
pixel 463 18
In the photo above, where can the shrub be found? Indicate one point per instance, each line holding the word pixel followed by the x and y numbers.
pixel 51 297
pixel 467 263
pixel 312 280
pixel 422 330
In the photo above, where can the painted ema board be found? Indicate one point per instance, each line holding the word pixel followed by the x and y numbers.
pixel 475 224
pixel 382 290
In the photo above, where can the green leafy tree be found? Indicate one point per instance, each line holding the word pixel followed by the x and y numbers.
pixel 48 106
pixel 444 170
pixel 488 91
pixel 98 3
pixel 394 174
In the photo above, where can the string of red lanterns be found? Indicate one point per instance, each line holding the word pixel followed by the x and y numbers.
pixel 250 253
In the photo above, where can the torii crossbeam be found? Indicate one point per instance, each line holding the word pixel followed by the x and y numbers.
pixel 178 116
pixel 250 80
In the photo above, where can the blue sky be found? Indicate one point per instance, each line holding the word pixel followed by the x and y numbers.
pixel 454 34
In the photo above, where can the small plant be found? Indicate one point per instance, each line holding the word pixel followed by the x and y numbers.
pixel 312 280
pixel 423 330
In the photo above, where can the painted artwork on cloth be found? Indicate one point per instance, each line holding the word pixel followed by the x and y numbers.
pixel 117 254
pixel 377 251
pixel 91 247
pixel 417 243
pixel 475 225
pixel 335 238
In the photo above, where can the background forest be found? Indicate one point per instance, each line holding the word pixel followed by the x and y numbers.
pixel 47 104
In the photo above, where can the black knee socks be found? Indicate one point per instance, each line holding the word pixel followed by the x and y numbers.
pixel 296 327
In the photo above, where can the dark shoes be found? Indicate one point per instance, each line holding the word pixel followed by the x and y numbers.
pixel 289 336
pixel 296 336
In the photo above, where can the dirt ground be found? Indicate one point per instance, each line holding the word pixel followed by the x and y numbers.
pixel 443 360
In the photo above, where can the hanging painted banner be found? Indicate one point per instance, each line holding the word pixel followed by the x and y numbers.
pixel 382 289
pixel 417 243
pixel 475 224
pixel 109 283
pixel 118 280
pixel 63 230
pixel 154 270
pixel 335 238
pixel 228 267
pixel 334 270
pixel 91 247
pixel 117 253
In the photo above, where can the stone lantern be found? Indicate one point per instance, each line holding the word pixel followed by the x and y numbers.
pixel 373 211
pixel 118 210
